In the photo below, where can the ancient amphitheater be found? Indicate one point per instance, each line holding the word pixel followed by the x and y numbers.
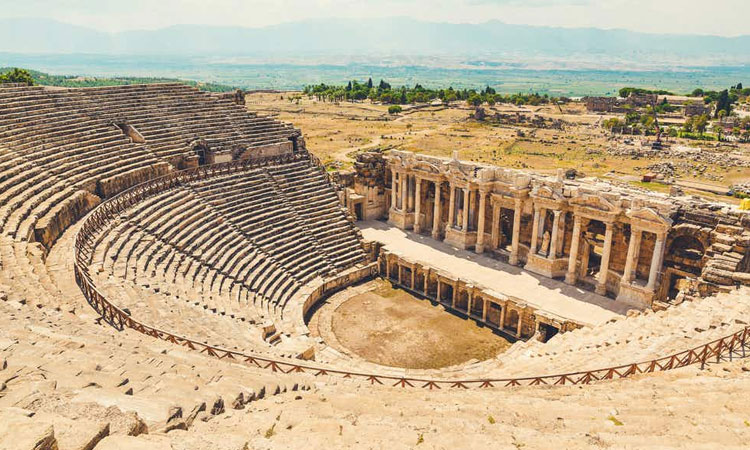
pixel 171 264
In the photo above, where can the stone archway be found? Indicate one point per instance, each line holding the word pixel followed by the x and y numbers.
pixel 683 263
pixel 685 253
pixel 477 306
pixel 593 243
pixel 494 314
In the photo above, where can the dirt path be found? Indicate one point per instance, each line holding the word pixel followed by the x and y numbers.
pixel 344 153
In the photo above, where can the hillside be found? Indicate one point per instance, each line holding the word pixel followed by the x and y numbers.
pixel 73 81
pixel 384 36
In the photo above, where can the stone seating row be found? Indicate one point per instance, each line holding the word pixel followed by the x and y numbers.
pixel 624 340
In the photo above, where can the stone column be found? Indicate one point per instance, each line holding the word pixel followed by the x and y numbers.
pixel 484 310
pixel 413 273
pixel 404 199
pixel 495 239
pixel 561 235
pixel 393 189
pixel 465 224
pixel 631 260
pixel 540 230
pixel 452 207
pixel 387 269
pixel 437 213
pixel 656 261
pixel 468 303
pixel 417 204
pixel 516 234
pixel 480 225
pixel 585 259
pixel 575 244
pixel 554 237
pixel 437 295
pixel 520 324
pixel 400 273
pixel 455 295
pixel 410 183
pixel 426 282
pixel 534 231
pixel 502 316
pixel 601 286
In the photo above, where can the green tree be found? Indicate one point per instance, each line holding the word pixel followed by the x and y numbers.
pixel 17 75
pixel 723 103
pixel 474 100
pixel 612 124
pixel 688 125
pixel 700 123
pixel 632 118
pixel 449 96
pixel 394 109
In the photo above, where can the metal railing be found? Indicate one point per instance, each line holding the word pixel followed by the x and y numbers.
pixel 726 348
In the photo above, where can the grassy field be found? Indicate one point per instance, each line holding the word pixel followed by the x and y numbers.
pixel 336 132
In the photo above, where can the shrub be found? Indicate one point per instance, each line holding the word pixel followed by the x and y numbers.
pixel 17 76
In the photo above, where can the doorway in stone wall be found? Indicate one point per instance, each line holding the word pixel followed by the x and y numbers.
pixel 594 238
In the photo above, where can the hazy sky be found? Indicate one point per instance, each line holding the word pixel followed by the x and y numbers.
pixel 721 17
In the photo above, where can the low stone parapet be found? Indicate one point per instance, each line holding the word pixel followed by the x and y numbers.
pixel 64 214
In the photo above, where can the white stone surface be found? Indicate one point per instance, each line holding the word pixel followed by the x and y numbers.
pixel 543 293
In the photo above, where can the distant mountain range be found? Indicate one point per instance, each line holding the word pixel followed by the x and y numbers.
pixel 384 36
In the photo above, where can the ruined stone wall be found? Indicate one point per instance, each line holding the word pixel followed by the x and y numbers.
pixel 267 150
pixel 51 226
pixel 107 187
pixel 370 168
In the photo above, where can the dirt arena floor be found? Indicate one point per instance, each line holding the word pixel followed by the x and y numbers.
pixel 391 327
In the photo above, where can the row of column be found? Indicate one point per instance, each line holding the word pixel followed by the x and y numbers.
pixel 411 201
pixel 495 231
pixel 400 187
pixel 634 250
pixel 454 296
pixel 466 208
pixel 469 305
pixel 631 259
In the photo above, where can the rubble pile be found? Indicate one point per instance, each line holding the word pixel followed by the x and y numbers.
pixel 741 188
pixel 370 166
pixel 697 155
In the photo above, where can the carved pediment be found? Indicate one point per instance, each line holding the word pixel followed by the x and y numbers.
pixel 595 202
pixel 455 171
pixel 546 192
pixel 649 218
pixel 427 167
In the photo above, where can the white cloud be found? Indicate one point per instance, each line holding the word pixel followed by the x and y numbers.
pixel 722 17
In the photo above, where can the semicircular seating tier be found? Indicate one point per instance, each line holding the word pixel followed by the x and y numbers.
pixel 240 245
